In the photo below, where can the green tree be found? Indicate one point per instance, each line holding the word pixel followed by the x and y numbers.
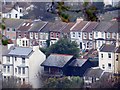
pixel 64 46
pixel 64 82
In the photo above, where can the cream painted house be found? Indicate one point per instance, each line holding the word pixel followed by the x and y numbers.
pixel 109 58
pixel 23 63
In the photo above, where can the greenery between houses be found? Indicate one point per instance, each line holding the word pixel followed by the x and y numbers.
pixel 64 82
pixel 63 46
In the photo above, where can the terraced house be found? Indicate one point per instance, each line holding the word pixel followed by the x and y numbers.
pixel 11 28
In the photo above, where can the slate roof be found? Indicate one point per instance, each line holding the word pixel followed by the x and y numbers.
pixel 68 27
pixel 47 27
pixel 57 26
pixel 103 26
pixel 13 23
pixel 115 27
pixel 23 4
pixel 26 26
pixel 37 26
pixel 19 51
pixel 107 48
pixel 79 26
pixel 93 72
pixel 90 27
pixel 7 8
pixel 57 60
pixel 77 62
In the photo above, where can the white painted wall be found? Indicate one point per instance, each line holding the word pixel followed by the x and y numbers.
pixel 35 61
pixel 13 12
pixel 20 42
pixel 105 60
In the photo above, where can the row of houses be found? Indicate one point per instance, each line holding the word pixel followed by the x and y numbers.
pixel 28 64
pixel 25 60
pixel 87 34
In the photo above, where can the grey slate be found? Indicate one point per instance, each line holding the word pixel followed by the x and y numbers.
pixel 13 23
pixel 20 51
pixel 96 72
pixel 103 26
pixel 107 48
pixel 37 26
pixel 77 62
pixel 57 60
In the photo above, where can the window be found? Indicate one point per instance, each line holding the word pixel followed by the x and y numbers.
pixel 114 35
pixel 8 59
pixel 103 66
pixel 23 79
pixel 4 68
pixel 13 38
pixel 23 43
pixel 51 34
pixel 15 70
pixel 79 34
pixel 57 35
pixel 13 29
pixel 24 34
pixel 73 34
pixel 9 15
pixel 101 55
pixel 90 35
pixel 31 35
pixel 102 34
pixel 20 10
pixel 109 65
pixel 36 35
pixel 19 80
pixel 19 70
pixel 8 29
pixel 109 55
pixel 4 77
pixel 28 24
pixel 23 24
pixel 16 15
pixel 23 60
pixel 23 71
pixel 15 58
pixel 96 34
pixel 116 57
pixel 26 43
pixel 85 35
pixel 8 70
pixel 108 35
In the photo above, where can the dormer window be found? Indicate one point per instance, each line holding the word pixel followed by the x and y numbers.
pixel 23 24
pixel 28 24
pixel 31 25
